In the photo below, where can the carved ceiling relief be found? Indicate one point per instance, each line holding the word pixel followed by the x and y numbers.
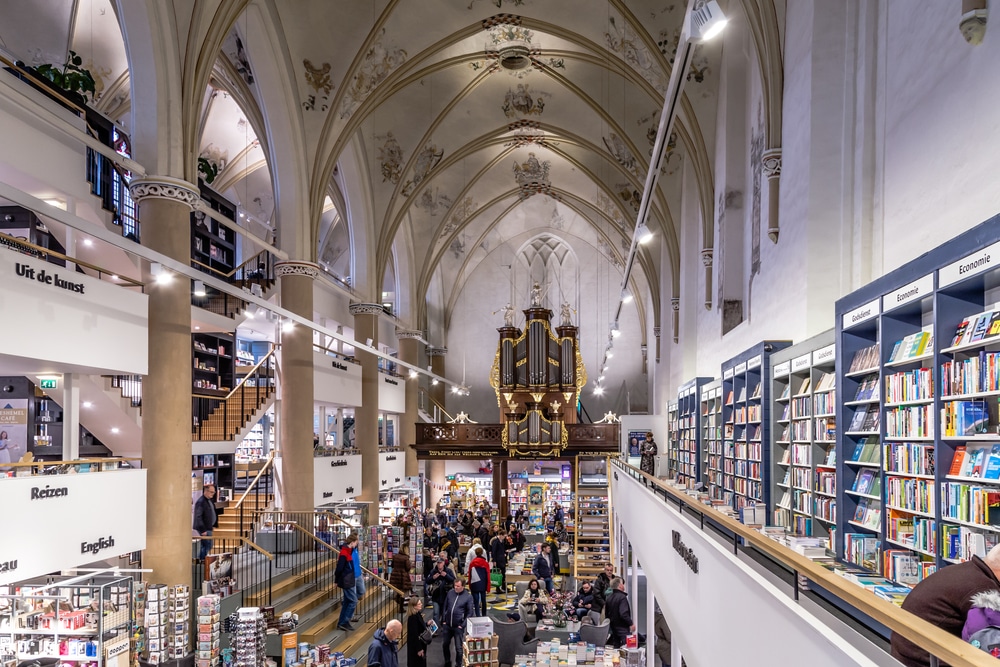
pixel 629 195
pixel 318 80
pixel 621 153
pixel 427 159
pixel 532 177
pixel 390 157
pixel 610 208
pixel 623 40
pixel 379 61
pixel 524 102
pixel 432 201
pixel 462 211
pixel 672 158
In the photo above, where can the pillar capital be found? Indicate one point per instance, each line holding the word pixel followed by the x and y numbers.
pixel 164 187
pixel 296 268
pixel 436 351
pixel 366 309
pixel 772 163
pixel 706 257
pixel 407 333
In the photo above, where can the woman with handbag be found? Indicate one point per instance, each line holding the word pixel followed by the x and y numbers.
pixel 418 635
pixel 439 583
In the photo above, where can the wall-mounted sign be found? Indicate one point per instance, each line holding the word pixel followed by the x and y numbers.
pixel 332 475
pixel 915 291
pixel 685 552
pixel 861 314
pixel 974 264
pixel 48 383
pixel 116 521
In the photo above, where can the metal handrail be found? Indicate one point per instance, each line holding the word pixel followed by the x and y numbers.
pixel 339 355
pixel 335 549
pixel 234 271
pixel 73 462
pixel 274 347
pixel 436 404
pixel 946 647
pixel 251 485
pixel 58 255
pixel 242 540
pixel 383 581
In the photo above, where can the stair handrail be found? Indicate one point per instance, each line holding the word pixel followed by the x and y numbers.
pixel 946 647
pixel 252 484
pixel 250 543
pixel 337 518
pixel 73 462
pixel 436 404
pixel 19 243
pixel 246 378
pixel 340 355
pixel 383 581
pixel 232 273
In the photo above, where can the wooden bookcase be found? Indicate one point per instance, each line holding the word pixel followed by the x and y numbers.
pixel 213 246
pixel 213 364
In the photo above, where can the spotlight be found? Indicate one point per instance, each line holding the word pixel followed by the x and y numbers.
pixel 600 379
pixel 199 288
pixel 707 20
pixel 114 276
pixel 434 381
pixel 413 374
pixel 87 404
pixel 609 354
pixel 615 332
pixel 643 234
pixel 626 296
pixel 599 390
pixel 115 429
pixel 160 274
pixel 287 326
pixel 454 390
pixel 88 242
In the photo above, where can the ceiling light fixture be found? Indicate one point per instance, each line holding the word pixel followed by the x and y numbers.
pixel 88 242
pixel 599 390
pixel 413 373
pixel 199 288
pixel 703 20
pixel 115 429
pixel 87 404
pixel 287 325
pixel 626 296
pixel 160 274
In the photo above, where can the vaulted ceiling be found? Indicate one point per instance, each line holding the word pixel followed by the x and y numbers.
pixel 426 128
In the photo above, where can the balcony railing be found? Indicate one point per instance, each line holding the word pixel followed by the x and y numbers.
pixel 219 419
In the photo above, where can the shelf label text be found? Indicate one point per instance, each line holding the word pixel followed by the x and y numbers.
pixel 915 291
pixel 861 314
pixel 754 362
pixel 741 368
pixel 969 266
pixel 824 354
pixel 781 370
pixel 798 363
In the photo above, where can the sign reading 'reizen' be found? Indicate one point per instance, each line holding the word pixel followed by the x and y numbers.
pixel 976 263
pixel 115 523
pixel 861 314
pixel 915 291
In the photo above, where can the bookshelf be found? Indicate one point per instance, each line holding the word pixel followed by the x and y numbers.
pixel 687 455
pixel 746 422
pixel 917 384
pixel 212 362
pixel 213 246
pixel 711 431
pixel 673 440
pixel 214 469
pixel 803 445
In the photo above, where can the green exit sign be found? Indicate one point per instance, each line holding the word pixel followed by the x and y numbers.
pixel 48 383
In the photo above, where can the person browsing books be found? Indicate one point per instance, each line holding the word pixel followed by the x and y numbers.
pixel 944 599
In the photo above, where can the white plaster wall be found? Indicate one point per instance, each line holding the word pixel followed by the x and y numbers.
pixel 939 97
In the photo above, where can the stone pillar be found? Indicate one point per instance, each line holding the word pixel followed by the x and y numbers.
pixel 706 261
pixel 772 170
pixel 435 468
pixel 165 206
pixel 295 410
pixel 409 351
pixel 366 415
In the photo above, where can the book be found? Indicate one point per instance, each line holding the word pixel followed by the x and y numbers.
pixel 979 330
pixel 994 328
pixel 971 458
pixel 894 594
pixel 960 331
pixel 957 461
pixel 991 469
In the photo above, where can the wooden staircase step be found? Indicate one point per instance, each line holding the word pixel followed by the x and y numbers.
pixel 292 582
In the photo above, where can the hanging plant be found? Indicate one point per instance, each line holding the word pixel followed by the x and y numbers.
pixel 71 76
pixel 208 169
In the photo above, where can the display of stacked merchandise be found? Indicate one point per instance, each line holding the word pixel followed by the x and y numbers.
pixel 209 619
pixel 480 646
pixel 554 654
pixel 167 619
pixel 371 551
pixel 249 639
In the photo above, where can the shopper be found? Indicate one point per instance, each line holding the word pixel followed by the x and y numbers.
pixel 479 578
pixel 553 541
pixel 518 539
pixel 457 609
pixel 944 599
pixel 440 581
pixel 359 579
pixel 587 600
pixel 343 576
pixel 542 568
pixel 603 581
pixel 498 556
pixel 619 612
pixel 384 649
pixel 533 602
pixel 400 574
pixel 416 648
pixel 205 519
pixel 648 451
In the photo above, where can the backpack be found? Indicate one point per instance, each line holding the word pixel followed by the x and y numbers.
pixel 987 639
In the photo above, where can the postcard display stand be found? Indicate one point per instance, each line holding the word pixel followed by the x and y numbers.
pixel 711 433
pixel 746 420
pixel 687 455
pixel 918 376
pixel 803 428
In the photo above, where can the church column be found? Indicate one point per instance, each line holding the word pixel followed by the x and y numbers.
pixel 165 206
pixel 295 420
pixel 409 352
pixel 434 468
pixel 366 415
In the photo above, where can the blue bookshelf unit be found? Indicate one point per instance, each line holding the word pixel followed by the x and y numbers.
pixel 916 396
pixel 746 426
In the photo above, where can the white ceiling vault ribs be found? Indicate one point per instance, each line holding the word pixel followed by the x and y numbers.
pixel 762 18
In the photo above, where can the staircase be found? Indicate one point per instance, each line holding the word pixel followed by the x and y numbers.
pixel 592 526
pixel 224 419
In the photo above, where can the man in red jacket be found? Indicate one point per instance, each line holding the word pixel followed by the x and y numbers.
pixel 944 599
